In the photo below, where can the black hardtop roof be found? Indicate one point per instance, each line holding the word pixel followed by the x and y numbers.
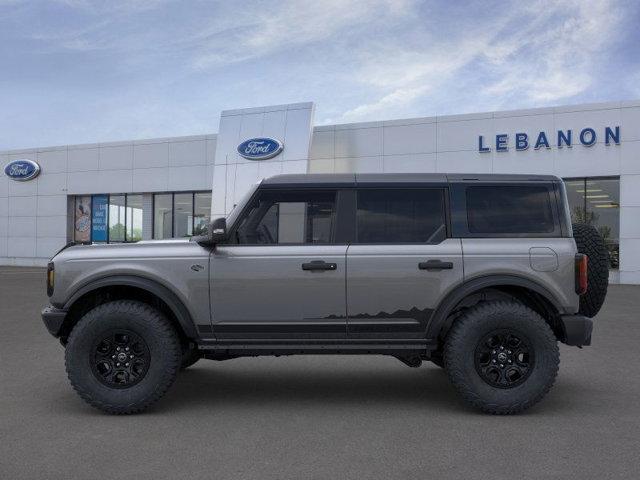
pixel 355 179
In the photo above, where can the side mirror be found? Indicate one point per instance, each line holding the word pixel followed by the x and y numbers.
pixel 216 233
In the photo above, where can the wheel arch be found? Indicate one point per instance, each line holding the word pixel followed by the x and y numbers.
pixel 528 291
pixel 133 287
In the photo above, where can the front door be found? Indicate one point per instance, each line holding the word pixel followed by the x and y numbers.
pixel 401 263
pixel 281 275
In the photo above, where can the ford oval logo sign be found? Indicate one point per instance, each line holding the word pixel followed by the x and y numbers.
pixel 260 148
pixel 22 170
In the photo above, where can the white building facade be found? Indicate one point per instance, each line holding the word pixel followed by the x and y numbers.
pixel 171 187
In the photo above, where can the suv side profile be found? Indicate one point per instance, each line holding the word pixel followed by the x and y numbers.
pixel 480 274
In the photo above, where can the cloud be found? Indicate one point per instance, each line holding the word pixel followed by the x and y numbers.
pixel 258 32
pixel 542 52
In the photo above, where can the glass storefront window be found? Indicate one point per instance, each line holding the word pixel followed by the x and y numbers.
pixel 117 218
pixel 82 219
pixel 201 212
pixel 596 202
pixel 162 215
pixel 134 218
pixel 182 215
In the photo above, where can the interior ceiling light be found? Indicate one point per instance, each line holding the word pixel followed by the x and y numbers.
pixel 597 196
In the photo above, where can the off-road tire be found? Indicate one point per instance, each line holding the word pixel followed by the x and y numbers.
pixel 147 323
pixel 437 358
pixel 189 357
pixel 460 360
pixel 590 242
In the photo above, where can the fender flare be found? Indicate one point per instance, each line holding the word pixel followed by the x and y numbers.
pixel 167 296
pixel 439 318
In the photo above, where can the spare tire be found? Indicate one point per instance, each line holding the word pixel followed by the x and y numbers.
pixel 590 242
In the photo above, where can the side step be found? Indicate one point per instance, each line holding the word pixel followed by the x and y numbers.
pixel 395 347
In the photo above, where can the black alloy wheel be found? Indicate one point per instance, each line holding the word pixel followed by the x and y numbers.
pixel 120 359
pixel 504 358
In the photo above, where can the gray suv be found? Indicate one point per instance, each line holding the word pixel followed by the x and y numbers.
pixel 479 274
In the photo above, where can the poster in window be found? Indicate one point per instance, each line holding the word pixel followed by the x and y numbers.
pixel 99 208
pixel 82 221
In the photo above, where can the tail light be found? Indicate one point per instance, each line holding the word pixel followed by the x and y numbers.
pixel 581 273
pixel 50 278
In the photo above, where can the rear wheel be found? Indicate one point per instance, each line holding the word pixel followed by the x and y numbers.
pixel 122 356
pixel 502 357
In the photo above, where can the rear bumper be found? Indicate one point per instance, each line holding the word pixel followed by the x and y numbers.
pixel 53 319
pixel 576 330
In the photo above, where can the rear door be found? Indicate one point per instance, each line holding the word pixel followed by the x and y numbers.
pixel 282 275
pixel 401 263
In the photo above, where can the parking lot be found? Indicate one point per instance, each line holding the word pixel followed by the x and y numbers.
pixel 334 417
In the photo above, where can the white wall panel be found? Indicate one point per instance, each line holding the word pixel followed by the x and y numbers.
pixel 22 189
pixel 630 156
pixel 420 162
pixel 358 142
pixel 83 159
pixel 105 181
pixel 52 161
pixel 21 246
pixel 463 135
pixel 46 247
pixel 420 138
pixel 150 180
pixel 52 226
pixel 22 227
pixel 117 157
pixel 188 153
pixel 188 178
pixel 322 165
pixel 51 205
pixel 322 144
pixel 52 183
pixel 630 124
pixel 464 162
pixel 297 136
pixel 358 165
pixel 151 155
pixel 22 207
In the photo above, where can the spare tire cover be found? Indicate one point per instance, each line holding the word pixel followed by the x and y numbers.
pixel 590 242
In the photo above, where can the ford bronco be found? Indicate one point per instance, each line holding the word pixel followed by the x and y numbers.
pixel 480 274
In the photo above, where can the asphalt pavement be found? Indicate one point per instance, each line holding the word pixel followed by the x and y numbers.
pixel 316 417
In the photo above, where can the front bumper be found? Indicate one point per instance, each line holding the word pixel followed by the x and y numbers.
pixel 576 330
pixel 53 319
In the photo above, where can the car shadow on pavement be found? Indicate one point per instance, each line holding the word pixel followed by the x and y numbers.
pixel 426 387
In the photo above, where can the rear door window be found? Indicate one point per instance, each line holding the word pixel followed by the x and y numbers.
pixel 509 209
pixel 401 216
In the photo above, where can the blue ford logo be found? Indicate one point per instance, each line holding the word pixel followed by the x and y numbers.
pixel 260 148
pixel 22 170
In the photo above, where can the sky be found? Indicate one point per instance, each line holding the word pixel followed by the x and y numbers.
pixel 78 71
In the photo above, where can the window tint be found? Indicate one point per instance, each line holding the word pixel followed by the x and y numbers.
pixel 288 217
pixel 401 216
pixel 509 209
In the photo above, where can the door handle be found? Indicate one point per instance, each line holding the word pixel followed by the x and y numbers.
pixel 319 265
pixel 435 265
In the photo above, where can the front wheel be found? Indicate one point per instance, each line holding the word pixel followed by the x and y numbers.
pixel 122 356
pixel 502 357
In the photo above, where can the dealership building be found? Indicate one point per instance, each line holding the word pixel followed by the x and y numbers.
pixel 170 187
